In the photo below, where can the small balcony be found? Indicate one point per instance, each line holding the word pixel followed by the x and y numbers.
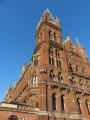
pixel 58 85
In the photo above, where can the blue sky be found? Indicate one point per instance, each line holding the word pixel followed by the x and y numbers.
pixel 18 21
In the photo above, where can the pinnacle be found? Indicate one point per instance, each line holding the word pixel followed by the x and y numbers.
pixel 78 43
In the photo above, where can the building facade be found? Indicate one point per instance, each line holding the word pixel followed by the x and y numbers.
pixel 55 85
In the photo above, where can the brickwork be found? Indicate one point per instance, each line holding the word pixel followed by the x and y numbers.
pixel 56 81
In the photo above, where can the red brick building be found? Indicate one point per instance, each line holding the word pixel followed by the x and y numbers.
pixel 55 85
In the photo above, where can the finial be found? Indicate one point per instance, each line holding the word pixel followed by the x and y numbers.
pixel 57 19
pixel 68 37
pixel 78 43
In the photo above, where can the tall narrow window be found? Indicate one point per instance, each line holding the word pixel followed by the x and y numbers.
pixel 34 79
pixel 60 78
pixel 52 75
pixel 70 68
pixel 52 61
pixel 36 62
pixel 58 64
pixel 51 50
pixel 62 103
pixel 57 53
pixel 53 101
pixel 55 37
pixel 87 105
pixel 79 106
pixel 49 35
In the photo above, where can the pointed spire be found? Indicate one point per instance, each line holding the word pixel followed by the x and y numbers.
pixel 8 89
pixel 78 43
pixel 47 10
pixel 57 19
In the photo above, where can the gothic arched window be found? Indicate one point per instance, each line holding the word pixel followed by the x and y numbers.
pixel 58 64
pixel 55 37
pixel 54 101
pixel 52 75
pixel 34 79
pixel 51 60
pixel 57 53
pixel 49 35
pixel 79 106
pixel 63 103
pixel 36 62
pixel 60 78
pixel 51 50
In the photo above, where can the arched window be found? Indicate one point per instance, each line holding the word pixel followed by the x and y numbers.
pixel 79 106
pixel 57 53
pixel 60 78
pixel 51 50
pixel 51 60
pixel 58 64
pixel 87 105
pixel 36 62
pixel 34 79
pixel 53 101
pixel 52 75
pixel 55 37
pixel 49 35
pixel 63 103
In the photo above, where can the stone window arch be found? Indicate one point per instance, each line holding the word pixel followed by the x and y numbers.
pixel 63 103
pixel 51 60
pixel 52 75
pixel 36 62
pixel 57 53
pixel 54 101
pixel 79 105
pixel 51 50
pixel 60 77
pixel 34 78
